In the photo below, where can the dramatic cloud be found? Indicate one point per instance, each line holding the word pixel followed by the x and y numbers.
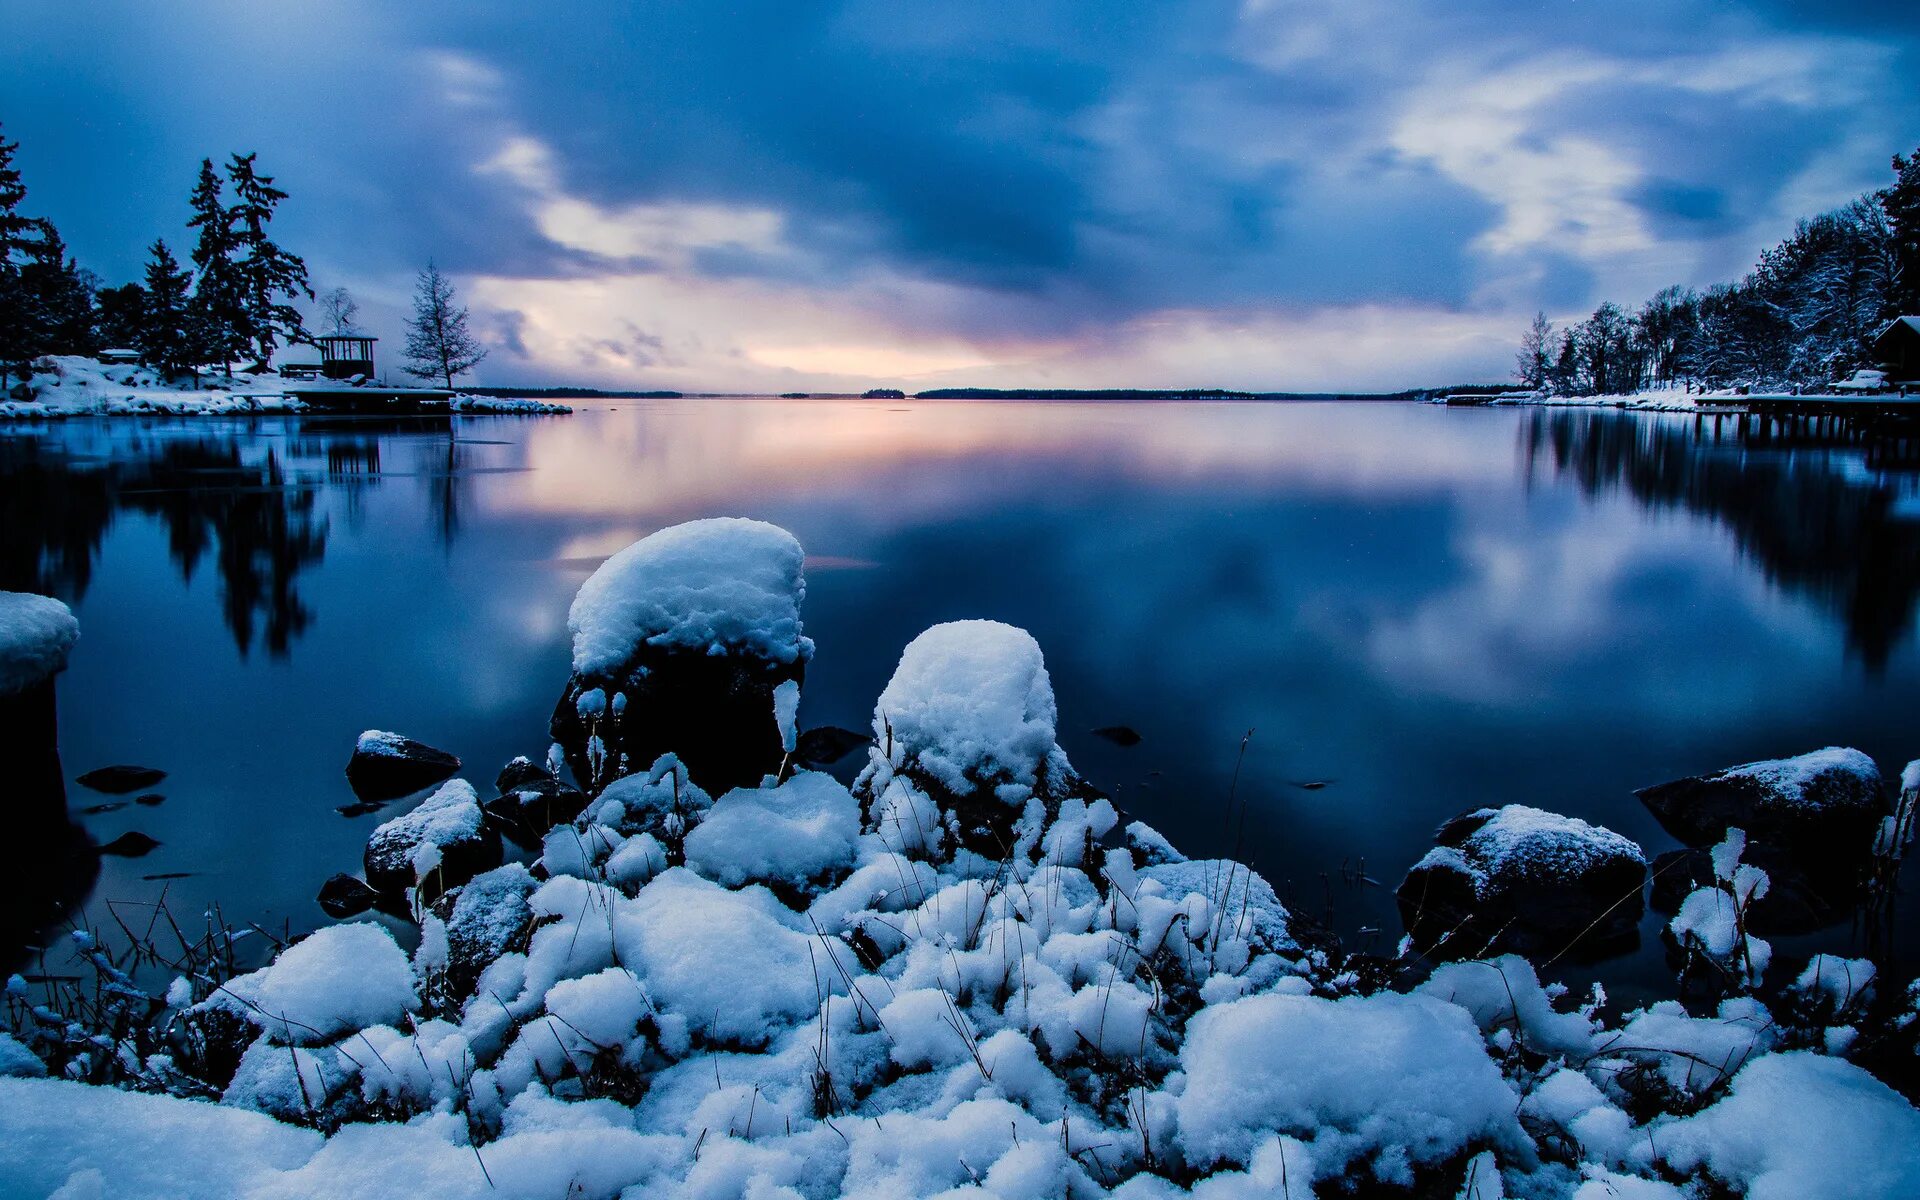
pixel 1280 193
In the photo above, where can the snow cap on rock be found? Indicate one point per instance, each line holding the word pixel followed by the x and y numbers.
pixel 725 584
pixel 35 634
pixel 971 701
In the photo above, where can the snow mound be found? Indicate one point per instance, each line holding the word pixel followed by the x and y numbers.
pixel 1803 780
pixel 970 703
pixel 35 634
pixel 1800 1126
pixel 1395 1079
pixel 342 978
pixel 798 831
pixel 722 585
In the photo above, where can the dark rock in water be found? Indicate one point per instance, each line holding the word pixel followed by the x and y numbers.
pixel 824 745
pixel 522 770
pixel 1119 735
pixel 1820 809
pixel 150 800
pixel 386 766
pixel 169 875
pixel 526 812
pixel 119 780
pixel 130 845
pixel 1793 904
pixel 94 810
pixel 687 642
pixel 1523 880
pixel 360 808
pixel 486 918
pixel 344 896
pixel 441 844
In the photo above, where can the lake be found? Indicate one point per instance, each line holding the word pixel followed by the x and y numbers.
pixel 1423 609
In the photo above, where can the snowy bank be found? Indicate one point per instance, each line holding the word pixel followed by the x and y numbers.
pixel 967 976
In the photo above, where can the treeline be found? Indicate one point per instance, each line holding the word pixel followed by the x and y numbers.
pixel 231 302
pixel 1805 316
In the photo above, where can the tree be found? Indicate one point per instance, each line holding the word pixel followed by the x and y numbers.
pixel 438 343
pixel 168 334
pixel 59 296
pixel 1536 358
pixel 337 309
pixel 21 329
pixel 268 277
pixel 1901 202
pixel 218 309
pixel 119 315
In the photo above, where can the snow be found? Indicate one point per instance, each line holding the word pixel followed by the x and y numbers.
pixel 451 815
pixel 1801 1126
pixel 1910 776
pixel 36 632
pixel 1389 1079
pixel 722 585
pixel 1712 920
pixel 514 405
pixel 970 704
pixel 797 831
pixel 381 744
pixel 1790 779
pixel 1521 840
pixel 342 978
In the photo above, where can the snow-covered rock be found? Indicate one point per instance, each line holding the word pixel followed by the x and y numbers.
pixel 1523 879
pixel 385 765
pixel 36 632
pixel 1801 1126
pixel 440 844
pixel 1818 809
pixel 799 831
pixel 681 643
pixel 966 729
pixel 339 979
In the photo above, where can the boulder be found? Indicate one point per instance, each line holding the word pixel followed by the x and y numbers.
pixel 964 745
pixel 487 917
pixel 343 896
pixel 387 765
pixel 1819 810
pixel 526 811
pixel 1521 880
pixel 828 744
pixel 120 779
pixel 520 770
pixel 441 844
pixel 687 642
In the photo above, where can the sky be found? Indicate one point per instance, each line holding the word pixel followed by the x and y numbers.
pixel 787 196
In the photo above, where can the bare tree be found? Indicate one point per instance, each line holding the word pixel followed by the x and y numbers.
pixel 439 345
pixel 337 309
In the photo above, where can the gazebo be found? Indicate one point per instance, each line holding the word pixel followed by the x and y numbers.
pixel 344 355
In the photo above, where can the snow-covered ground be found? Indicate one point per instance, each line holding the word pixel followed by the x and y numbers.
pixel 799 991
pixel 73 386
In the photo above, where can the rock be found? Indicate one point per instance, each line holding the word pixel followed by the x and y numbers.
pixel 1149 846
pixel 343 896
pixel 95 810
pixel 130 845
pixel 1820 810
pixel 385 766
pixel 439 845
pixel 150 800
pixel 964 754
pixel 1119 735
pixel 1527 881
pixel 521 770
pixel 486 918
pixel 680 643
pixel 119 780
pixel 527 811
pixel 825 745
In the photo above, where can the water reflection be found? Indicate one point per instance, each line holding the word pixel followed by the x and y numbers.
pixel 1824 505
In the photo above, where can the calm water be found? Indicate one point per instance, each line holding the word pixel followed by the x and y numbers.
pixel 1431 609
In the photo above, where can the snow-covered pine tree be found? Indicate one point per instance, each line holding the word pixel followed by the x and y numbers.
pixel 59 295
pixel 218 308
pixel 1901 201
pixel 269 277
pixel 439 346
pixel 166 330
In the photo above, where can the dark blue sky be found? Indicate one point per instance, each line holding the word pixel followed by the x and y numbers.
pixel 788 195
